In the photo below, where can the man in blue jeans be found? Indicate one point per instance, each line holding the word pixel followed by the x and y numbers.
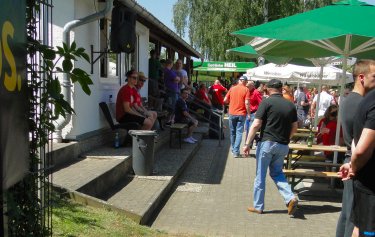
pixel 238 98
pixel 277 119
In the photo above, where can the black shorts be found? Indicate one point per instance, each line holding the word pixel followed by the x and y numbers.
pixel 363 212
pixel 130 118
pixel 187 121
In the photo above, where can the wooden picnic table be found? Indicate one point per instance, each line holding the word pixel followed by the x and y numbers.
pixel 302 173
pixel 304 147
pixel 306 130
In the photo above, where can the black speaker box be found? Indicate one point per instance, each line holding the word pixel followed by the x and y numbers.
pixel 123 37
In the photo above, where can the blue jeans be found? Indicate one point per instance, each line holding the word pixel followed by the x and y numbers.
pixel 236 124
pixel 270 154
pixel 248 123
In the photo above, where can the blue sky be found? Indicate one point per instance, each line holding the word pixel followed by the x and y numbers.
pixel 161 9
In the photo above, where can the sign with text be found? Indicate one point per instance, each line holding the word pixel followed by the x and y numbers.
pixel 14 108
pixel 223 66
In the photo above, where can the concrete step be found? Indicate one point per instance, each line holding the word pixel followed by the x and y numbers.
pixel 141 195
pixel 99 169
pixel 103 177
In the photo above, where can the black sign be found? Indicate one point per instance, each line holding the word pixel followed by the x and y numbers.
pixel 14 133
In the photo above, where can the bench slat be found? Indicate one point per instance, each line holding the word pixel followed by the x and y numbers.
pixel 178 125
pixel 308 157
pixel 316 164
pixel 310 173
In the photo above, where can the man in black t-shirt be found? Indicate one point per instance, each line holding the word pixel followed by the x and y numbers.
pixel 348 109
pixel 277 119
pixel 363 158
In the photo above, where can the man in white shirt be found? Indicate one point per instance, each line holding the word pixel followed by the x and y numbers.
pixel 324 102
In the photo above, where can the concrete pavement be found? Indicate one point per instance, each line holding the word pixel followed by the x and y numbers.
pixel 212 196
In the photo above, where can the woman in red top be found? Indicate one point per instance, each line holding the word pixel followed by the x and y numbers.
pixel 202 95
pixel 327 129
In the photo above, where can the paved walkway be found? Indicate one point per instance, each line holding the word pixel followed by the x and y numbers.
pixel 212 197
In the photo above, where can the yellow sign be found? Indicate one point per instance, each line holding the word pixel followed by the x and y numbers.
pixel 12 80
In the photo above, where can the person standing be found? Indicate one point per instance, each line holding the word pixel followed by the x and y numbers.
pixel 364 82
pixel 216 91
pixel 238 98
pixel 171 83
pixel 255 99
pixel 126 98
pixel 277 120
pixel 301 102
pixel 154 68
pixel 182 74
pixel 324 102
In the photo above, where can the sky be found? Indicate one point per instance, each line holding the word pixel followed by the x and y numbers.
pixel 161 9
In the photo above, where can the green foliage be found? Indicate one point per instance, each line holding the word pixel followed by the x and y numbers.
pixel 28 201
pixel 210 22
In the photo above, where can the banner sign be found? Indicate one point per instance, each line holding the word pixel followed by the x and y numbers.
pixel 223 66
pixel 14 108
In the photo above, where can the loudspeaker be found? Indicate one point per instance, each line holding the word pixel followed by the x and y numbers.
pixel 123 37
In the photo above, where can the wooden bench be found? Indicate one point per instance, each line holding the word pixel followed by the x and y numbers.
pixel 307 157
pixel 315 164
pixel 304 173
pixel 176 128
pixel 310 173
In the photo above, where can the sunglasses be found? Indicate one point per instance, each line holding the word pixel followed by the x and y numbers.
pixel 333 113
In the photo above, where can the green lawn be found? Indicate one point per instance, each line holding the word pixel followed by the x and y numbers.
pixel 72 219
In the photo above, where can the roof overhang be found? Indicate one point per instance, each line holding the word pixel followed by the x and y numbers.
pixel 160 32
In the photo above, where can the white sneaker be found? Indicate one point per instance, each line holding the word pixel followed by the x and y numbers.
pixel 193 139
pixel 188 140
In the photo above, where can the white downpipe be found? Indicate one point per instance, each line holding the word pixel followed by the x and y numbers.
pixel 66 84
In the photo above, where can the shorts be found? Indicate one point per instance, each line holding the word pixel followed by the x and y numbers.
pixel 131 118
pixel 187 121
pixel 363 212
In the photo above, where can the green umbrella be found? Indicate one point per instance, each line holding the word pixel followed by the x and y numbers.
pixel 342 29
pixel 247 51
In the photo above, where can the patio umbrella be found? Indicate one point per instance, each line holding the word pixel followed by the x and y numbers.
pixel 296 73
pixel 340 29
pixel 247 51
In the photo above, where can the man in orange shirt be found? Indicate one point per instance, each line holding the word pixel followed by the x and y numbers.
pixel 238 98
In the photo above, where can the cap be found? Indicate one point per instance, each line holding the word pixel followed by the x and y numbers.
pixel 243 78
pixel 275 83
pixel 142 75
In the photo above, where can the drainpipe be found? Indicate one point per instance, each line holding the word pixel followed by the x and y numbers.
pixel 66 84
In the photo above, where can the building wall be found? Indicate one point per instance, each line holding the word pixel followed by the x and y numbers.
pixel 88 117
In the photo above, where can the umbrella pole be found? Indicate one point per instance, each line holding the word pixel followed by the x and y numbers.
pixel 338 128
pixel 318 99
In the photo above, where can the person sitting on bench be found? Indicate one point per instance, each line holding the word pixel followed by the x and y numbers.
pixel 182 115
pixel 126 98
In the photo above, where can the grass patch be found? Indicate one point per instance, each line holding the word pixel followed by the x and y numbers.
pixel 70 219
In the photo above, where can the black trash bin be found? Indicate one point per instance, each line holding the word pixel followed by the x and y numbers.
pixel 143 151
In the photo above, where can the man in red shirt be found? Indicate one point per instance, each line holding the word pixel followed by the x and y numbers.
pixel 126 98
pixel 255 99
pixel 238 98
pixel 216 92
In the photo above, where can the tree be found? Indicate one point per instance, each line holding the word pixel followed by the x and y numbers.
pixel 210 22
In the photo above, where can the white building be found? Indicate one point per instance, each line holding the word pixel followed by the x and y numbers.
pixel 92 32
